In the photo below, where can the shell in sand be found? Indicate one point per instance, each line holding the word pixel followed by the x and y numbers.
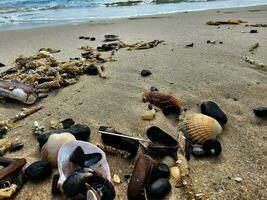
pixel 200 128
pixel 55 142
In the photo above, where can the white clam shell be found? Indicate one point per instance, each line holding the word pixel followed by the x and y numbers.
pixel 66 167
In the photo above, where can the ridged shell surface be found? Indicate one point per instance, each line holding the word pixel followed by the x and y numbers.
pixel 200 127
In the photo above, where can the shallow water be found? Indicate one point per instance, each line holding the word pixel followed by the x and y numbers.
pixel 16 14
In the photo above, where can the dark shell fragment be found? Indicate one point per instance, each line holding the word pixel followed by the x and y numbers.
pixel 38 170
pixel 145 72
pixel 163 170
pixel 16 147
pixel 126 144
pixel 211 109
pixel 161 142
pixel 260 111
pixel 145 167
pixel 2 65
pixel 212 147
pixel 55 189
pixel 198 150
pixel 159 188
pixel 80 132
pixel 171 109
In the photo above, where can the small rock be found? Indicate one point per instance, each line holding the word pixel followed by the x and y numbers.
pixel 2 65
pixel 92 39
pixel 153 89
pixel 260 111
pixel 189 45
pixel 253 31
pixel 238 179
pixel 145 72
pixel 116 179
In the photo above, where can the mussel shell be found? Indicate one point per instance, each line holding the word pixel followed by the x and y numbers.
pixel 144 169
pixel 211 109
pixel 161 142
pixel 79 131
pixel 260 111
pixel 126 144
pixel 38 170
pixel 159 188
pixel 171 109
pixel 212 147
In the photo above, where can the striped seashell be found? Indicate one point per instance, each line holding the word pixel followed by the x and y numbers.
pixel 199 128
pixel 162 100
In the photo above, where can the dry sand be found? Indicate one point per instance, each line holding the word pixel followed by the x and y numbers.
pixel 205 72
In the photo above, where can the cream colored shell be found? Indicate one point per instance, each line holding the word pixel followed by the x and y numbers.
pixel 201 127
pixel 51 147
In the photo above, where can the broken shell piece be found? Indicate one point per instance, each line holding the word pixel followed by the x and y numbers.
pixel 66 167
pixel 199 128
pixel 116 179
pixel 50 150
pixel 169 161
pixel 6 193
pixel 149 114
pixel 175 173
pixel 44 54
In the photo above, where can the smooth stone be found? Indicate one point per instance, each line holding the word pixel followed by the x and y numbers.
pixel 38 170
pixel 198 150
pixel 253 31
pixel 211 109
pixel 260 111
pixel 159 188
pixel 145 72
pixel 163 170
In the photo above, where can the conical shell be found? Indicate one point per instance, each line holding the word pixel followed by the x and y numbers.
pixel 50 149
pixel 200 128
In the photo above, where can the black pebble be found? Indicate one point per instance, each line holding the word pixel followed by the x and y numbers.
pixel 81 37
pixel 38 170
pixel 208 41
pixel 163 170
pixel 159 188
pixel 211 109
pixel 153 89
pixel 145 72
pixel 253 31
pixel 92 39
pixel 212 145
pixel 220 42
pixel 2 65
pixel 66 123
pixel 260 111
pixel 16 147
pixel 55 189
pixel 92 70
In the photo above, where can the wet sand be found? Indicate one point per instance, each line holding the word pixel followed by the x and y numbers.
pixel 215 72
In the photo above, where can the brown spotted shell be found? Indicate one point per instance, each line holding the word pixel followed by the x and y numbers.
pixel 200 128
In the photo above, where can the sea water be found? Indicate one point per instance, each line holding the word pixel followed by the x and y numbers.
pixel 15 14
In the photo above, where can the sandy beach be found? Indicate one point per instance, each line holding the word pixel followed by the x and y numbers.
pixel 206 71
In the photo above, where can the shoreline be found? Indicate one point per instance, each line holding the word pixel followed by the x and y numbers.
pixel 203 72
pixel 111 19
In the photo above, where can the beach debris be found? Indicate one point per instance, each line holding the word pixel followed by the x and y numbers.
pixel 210 108
pixel 189 45
pixel 101 72
pixel 260 111
pixel 149 114
pixel 161 142
pixel 221 22
pixel 50 50
pixel 238 179
pixel 9 122
pixel 145 167
pixel 11 176
pixel 9 71
pixel 19 91
pixel 144 45
pixel 115 141
pixel 163 100
pixel 159 188
pixel 256 25
pixel 116 179
pixel 163 170
pixel 2 65
pixel 8 145
pixel 253 31
pixel 145 72
pixel 79 131
pixel 39 170
pixel 214 42
pixel 111 37
pixel 254 47
pixel 50 149
pixel 169 161
pixel 258 65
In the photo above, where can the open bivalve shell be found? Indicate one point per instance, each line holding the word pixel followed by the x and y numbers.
pixel 66 167
pixel 199 128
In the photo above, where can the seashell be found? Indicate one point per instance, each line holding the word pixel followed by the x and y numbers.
pixel 149 114
pixel 163 170
pixel 145 72
pixel 79 131
pixel 144 168
pixel 66 167
pixel 260 111
pixel 175 173
pixel 212 147
pixel 161 142
pixel 116 179
pixel 38 170
pixel 169 161
pixel 162 100
pixel 183 165
pixel 199 127
pixel 50 150
pixel 211 109
pixel 159 188
pixel 126 144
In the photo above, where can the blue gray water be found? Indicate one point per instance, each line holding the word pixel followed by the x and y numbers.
pixel 29 13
